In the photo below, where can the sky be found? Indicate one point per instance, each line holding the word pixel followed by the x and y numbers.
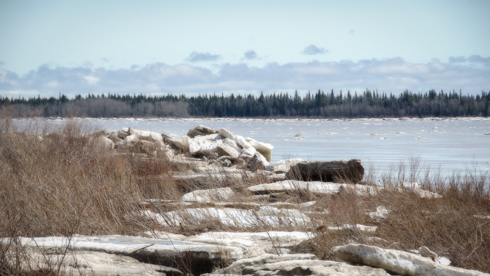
pixel 204 47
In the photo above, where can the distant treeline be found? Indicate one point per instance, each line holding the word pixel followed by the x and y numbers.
pixel 319 104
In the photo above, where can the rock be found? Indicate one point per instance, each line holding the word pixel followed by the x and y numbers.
pixel 442 260
pixel 143 146
pixel 114 138
pixel 266 216
pixel 380 213
pixel 131 140
pixel 264 148
pixel 123 133
pixel 195 165
pixel 210 195
pixel 165 151
pixel 283 166
pixel 243 143
pixel 238 266
pixel 211 154
pixel 344 171
pixel 194 254
pixel 358 227
pixel 226 162
pixel 147 135
pixel 91 263
pixel 258 162
pixel 160 147
pixel 414 187
pixel 227 150
pixel 248 153
pixel 203 143
pixel 396 261
pixel 278 216
pixel 212 179
pixel 103 142
pixel 295 264
pixel 181 145
pixel 200 131
pixel 231 143
pixel 253 244
pixel 312 267
pixel 315 187
pixel 196 257
pixel 224 133
pixel 426 252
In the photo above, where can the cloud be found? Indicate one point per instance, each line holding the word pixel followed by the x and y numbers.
pixel 474 59
pixel 479 59
pixel 199 57
pixel 314 50
pixel 250 55
pixel 457 59
pixel 387 75
pixel 91 80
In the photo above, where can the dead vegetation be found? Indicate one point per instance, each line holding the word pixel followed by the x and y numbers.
pixel 56 182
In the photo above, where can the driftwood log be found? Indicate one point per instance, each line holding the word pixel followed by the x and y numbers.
pixel 344 171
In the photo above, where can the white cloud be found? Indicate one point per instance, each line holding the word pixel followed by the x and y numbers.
pixel 399 67
pixel 200 57
pixel 479 59
pixel 249 55
pixel 314 50
pixel 52 84
pixel 152 87
pixel 91 80
pixel 388 75
pixel 322 69
pixel 457 59
pixel 474 60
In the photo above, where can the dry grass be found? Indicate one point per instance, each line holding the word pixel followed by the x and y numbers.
pixel 453 226
pixel 56 181
pixel 56 185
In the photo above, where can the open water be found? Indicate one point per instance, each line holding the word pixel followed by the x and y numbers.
pixel 453 145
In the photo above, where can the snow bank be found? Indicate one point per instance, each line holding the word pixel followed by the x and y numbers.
pixel 210 195
pixel 396 261
pixel 232 217
pixel 313 186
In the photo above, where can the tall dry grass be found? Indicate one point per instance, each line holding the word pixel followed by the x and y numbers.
pixel 56 185
pixel 55 180
pixel 455 225
pixel 58 181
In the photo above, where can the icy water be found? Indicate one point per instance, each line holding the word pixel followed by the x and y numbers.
pixel 451 145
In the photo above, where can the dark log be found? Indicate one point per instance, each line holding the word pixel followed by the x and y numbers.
pixel 201 131
pixel 343 171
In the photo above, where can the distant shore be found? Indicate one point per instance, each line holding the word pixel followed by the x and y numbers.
pixel 233 119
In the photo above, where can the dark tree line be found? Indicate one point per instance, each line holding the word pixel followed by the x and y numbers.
pixel 320 104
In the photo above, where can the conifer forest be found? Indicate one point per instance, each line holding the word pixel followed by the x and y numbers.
pixel 317 105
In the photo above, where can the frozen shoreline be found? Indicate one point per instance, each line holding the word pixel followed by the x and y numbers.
pixel 232 119
pixel 449 144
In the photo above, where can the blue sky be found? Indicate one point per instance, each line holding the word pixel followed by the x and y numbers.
pixel 190 47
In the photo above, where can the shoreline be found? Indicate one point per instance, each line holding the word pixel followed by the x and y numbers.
pixel 233 119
